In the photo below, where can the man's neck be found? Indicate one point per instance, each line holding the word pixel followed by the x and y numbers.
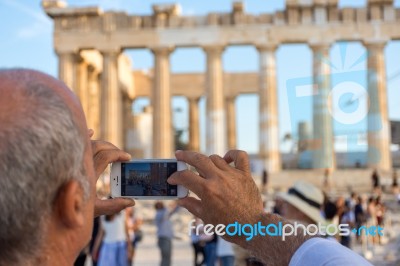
pixel 56 251
pixel 48 257
pixel 52 256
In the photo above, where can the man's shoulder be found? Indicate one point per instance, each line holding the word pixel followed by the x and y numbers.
pixel 329 253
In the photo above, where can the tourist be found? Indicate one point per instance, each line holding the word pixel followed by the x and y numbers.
pixel 134 223
pixel 326 183
pixel 228 194
pixel 375 181
pixel 380 210
pixel 95 232
pixel 48 170
pixel 347 218
pixel 114 241
pixel 197 243
pixel 210 249
pixel 340 206
pixel 265 179
pixel 331 218
pixel 306 208
pixel 165 231
pixel 225 253
pixel 395 185
pixel 371 211
pixel 360 215
pixel 40 114
pixel 352 200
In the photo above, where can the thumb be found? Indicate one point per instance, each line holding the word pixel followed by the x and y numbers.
pixel 111 206
pixel 191 204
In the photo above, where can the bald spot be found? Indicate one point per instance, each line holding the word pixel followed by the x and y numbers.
pixel 14 103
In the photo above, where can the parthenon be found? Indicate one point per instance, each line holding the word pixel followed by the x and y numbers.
pixel 90 44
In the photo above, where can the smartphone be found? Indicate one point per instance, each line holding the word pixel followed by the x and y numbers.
pixel 146 179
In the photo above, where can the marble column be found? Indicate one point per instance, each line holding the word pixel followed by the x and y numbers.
pixel 216 140
pixel 194 129
pixel 111 106
pixel 322 146
pixel 379 139
pixel 83 90
pixel 231 121
pixel 268 104
pixel 128 120
pixel 163 140
pixel 93 114
pixel 67 69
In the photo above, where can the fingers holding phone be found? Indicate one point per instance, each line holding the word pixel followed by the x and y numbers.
pixel 146 179
pixel 105 153
pixel 227 193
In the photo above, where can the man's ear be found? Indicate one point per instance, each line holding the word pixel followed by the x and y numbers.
pixel 70 204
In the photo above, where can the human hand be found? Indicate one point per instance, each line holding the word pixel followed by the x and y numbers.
pixel 227 194
pixel 105 153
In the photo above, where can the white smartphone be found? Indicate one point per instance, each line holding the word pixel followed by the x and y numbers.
pixel 146 179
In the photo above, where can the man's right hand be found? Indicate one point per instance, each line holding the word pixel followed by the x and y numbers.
pixel 227 194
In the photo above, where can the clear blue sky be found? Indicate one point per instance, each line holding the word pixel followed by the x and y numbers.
pixel 26 41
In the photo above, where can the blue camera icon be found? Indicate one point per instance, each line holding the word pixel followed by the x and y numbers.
pixel 347 104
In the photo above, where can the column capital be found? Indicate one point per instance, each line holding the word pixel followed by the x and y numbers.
pixel 193 99
pixel 64 50
pixel 375 44
pixel 72 54
pixel 320 46
pixel 162 50
pixel 110 51
pixel 266 47
pixel 213 49
pixel 231 97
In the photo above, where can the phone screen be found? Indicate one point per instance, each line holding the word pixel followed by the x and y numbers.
pixel 147 179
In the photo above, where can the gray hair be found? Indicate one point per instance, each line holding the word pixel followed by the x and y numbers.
pixel 41 148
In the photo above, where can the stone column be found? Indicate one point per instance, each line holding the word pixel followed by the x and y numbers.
pixel 231 121
pixel 379 155
pixel 215 111
pixel 93 114
pixel 83 91
pixel 163 141
pixel 128 120
pixel 111 101
pixel 194 130
pixel 67 69
pixel 322 147
pixel 269 126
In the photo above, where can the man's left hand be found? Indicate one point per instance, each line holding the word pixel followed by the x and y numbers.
pixel 105 153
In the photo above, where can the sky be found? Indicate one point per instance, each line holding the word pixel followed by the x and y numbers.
pixel 26 41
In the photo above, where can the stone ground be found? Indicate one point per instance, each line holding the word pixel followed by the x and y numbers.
pixel 387 254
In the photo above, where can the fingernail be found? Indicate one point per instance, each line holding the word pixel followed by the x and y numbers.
pixel 130 202
pixel 169 180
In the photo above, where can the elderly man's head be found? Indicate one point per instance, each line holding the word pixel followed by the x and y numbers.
pixel 46 170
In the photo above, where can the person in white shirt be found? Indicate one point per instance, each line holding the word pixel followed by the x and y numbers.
pixel 114 240
pixel 228 194
pixel 165 231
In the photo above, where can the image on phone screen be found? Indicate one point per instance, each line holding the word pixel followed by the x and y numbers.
pixel 147 179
